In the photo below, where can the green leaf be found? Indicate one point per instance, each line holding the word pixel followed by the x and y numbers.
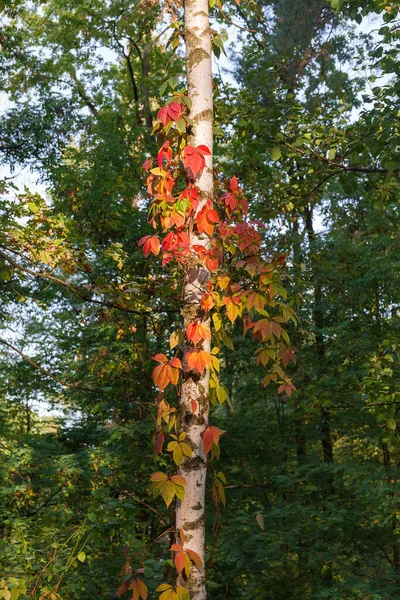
pixel 276 153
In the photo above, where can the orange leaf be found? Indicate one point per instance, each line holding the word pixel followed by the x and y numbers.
pixel 150 243
pixel 161 358
pixel 193 405
pixel 179 480
pixel 198 360
pixel 122 588
pixel 159 476
pixel 176 547
pixel 180 560
pixel 161 376
pixel 176 363
pixel 196 332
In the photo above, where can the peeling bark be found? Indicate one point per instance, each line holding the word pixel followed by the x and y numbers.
pixel 190 511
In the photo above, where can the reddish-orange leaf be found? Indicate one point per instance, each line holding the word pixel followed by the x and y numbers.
pixel 216 434
pixel 208 438
pixel 162 115
pixel 147 164
pixel 180 560
pixel 150 243
pixel 287 388
pixel 176 363
pixel 193 195
pixel 165 152
pixel 287 354
pixel 211 263
pixel 193 405
pixel 176 547
pixel 193 161
pixel 196 332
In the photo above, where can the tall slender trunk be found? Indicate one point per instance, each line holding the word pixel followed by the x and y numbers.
pixel 318 318
pixel 325 417
pixel 190 511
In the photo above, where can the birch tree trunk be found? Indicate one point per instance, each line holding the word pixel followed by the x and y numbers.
pixel 190 511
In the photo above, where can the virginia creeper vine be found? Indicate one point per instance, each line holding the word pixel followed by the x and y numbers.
pixel 204 228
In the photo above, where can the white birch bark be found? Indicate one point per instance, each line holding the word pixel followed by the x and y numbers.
pixel 190 511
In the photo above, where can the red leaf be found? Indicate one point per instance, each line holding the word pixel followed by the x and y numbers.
pixel 147 164
pixel 211 436
pixel 193 405
pixel 163 115
pixel 204 150
pixel 208 438
pixel 205 220
pixel 158 444
pixel 287 387
pixel 174 110
pixel 234 184
pixel 193 161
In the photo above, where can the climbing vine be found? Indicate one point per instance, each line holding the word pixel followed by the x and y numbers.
pixel 243 281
